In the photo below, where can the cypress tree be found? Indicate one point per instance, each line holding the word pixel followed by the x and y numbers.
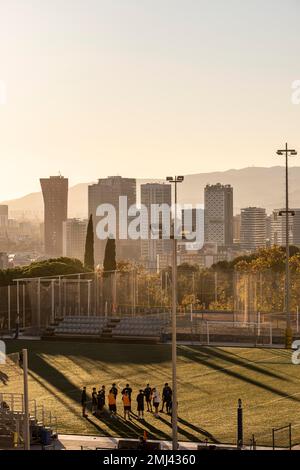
pixel 110 263
pixel 89 261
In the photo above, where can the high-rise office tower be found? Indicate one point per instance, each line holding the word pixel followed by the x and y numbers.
pixel 218 214
pixel 152 250
pixel 74 237
pixel 107 191
pixel 253 228
pixel 55 193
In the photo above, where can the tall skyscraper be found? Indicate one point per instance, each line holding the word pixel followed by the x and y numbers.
pixel 107 191
pixel 74 237
pixel 218 214
pixel 55 194
pixel 253 228
pixel 152 250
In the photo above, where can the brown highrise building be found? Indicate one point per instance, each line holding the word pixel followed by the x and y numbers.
pixel 55 193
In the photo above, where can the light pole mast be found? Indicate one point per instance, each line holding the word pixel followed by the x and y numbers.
pixel 288 333
pixel 175 180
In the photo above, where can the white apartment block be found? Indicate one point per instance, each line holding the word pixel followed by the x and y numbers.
pixel 253 231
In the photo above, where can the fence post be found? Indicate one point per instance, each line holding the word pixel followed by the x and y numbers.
pixel 8 305
pixel 52 301
pixel 24 307
pixel 89 296
pixel 239 424
pixel 79 295
pixel 290 436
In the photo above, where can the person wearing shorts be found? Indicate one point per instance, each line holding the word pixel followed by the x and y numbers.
pixel 127 406
pixel 112 404
pixel 156 401
pixel 148 397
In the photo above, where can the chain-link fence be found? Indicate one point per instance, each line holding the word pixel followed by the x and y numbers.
pixel 203 296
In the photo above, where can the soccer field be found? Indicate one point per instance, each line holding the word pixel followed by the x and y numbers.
pixel 210 381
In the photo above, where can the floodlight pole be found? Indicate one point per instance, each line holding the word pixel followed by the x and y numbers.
pixel 177 179
pixel 288 333
pixel 26 401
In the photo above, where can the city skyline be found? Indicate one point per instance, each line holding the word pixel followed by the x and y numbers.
pixel 114 87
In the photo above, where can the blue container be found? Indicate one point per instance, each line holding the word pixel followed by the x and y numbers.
pixel 46 436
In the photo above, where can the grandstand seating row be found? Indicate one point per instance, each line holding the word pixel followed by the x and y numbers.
pixel 139 327
pixel 151 326
pixel 81 326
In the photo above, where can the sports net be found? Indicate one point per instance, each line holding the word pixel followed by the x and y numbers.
pixel 249 333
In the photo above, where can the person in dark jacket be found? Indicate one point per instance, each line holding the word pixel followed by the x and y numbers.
pixel 94 401
pixel 140 404
pixel 83 402
pixel 148 397
pixel 166 397
pixel 114 390
pixel 100 400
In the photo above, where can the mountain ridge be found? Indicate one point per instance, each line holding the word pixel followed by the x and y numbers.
pixel 252 186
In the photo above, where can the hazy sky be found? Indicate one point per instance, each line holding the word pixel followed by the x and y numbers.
pixel 144 88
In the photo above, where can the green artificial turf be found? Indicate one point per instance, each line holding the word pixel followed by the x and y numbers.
pixel 210 381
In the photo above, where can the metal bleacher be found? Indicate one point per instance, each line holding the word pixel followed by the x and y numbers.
pixel 81 325
pixel 140 327
pixel 105 328
pixel 12 418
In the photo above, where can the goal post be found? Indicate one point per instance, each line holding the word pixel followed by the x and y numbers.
pixel 238 332
pixel 282 437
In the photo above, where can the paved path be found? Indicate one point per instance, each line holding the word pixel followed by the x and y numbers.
pixel 74 442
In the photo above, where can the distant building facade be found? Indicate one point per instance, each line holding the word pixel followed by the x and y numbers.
pixel 74 237
pixel 3 216
pixel 278 228
pixel 107 191
pixel 253 228
pixel 153 251
pixel 237 228
pixel 193 222
pixel 218 214
pixel 4 261
pixel 55 194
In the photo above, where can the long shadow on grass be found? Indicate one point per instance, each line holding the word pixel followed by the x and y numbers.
pixel 46 375
pixel 4 378
pixel 199 430
pixel 188 435
pixel 201 358
pixel 101 431
pixel 54 377
pixel 154 432
pixel 228 357
pixel 122 428
pixel 109 353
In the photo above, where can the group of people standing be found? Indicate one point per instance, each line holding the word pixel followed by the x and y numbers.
pixel 149 396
